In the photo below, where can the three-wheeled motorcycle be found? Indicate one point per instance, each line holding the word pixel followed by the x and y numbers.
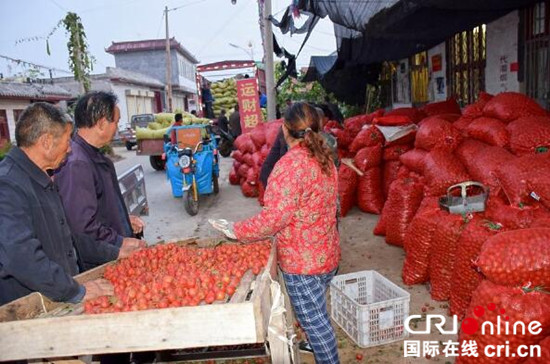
pixel 192 164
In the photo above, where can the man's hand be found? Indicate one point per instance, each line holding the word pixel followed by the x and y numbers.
pixel 130 245
pixel 98 287
pixel 137 224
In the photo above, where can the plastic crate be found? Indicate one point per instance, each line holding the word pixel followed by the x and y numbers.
pixel 369 308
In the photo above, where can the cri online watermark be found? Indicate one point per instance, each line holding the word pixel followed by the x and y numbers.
pixel 471 326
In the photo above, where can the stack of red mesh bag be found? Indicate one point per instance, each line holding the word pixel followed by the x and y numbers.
pixel 517 267
pixel 252 149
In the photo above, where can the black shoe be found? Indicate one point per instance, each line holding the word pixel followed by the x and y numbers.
pixel 304 346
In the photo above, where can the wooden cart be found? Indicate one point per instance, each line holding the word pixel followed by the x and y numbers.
pixel 34 327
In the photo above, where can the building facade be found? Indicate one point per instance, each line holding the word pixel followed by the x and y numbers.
pixel 15 97
pixel 149 57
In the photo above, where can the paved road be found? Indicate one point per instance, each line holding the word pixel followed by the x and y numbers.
pixel 167 218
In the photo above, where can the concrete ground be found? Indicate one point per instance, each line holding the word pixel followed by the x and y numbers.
pixel 361 250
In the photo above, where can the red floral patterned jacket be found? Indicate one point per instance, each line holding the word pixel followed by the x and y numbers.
pixel 300 211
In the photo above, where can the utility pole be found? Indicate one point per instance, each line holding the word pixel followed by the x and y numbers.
pixel 168 65
pixel 269 66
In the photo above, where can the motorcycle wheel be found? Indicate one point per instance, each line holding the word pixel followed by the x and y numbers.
pixel 215 183
pixel 225 148
pixel 129 145
pixel 191 206
pixel 156 162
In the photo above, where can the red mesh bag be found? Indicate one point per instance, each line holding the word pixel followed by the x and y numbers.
pixel 347 185
pixel 509 106
pixel 271 133
pixel 391 168
pixel 243 170
pixel 367 137
pixel 233 176
pixel 414 160
pixel 490 131
pixel 237 155
pixel 403 201
pixel 436 133
pixel 523 176
pixel 475 110
pixel 247 159
pixel 466 277
pixel 414 114
pixel 257 159
pixel 517 258
pixel 344 153
pixel 529 135
pixel 344 137
pixel 392 153
pixel 511 217
pixel 407 139
pixel 545 353
pixel 369 191
pixel 265 151
pixel 380 228
pixel 236 165
pixel 462 123
pixel 442 170
pixel 418 240
pixel 368 157
pixel 489 300
pixel 252 175
pixel 482 160
pixel 443 254
pixel 355 123
pixel 245 144
pixel 249 190
pixel 332 125
pixel 450 106
pixel 258 136
pixel 392 120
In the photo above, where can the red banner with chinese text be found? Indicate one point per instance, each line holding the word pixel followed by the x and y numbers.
pixel 249 103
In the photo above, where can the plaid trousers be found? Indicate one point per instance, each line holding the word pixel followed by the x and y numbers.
pixel 307 294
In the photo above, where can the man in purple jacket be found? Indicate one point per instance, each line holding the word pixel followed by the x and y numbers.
pixel 88 183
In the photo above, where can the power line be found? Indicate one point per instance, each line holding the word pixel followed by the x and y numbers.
pixel 19 61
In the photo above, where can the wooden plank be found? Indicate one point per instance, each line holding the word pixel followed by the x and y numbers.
pixel 26 307
pixel 244 287
pixel 172 328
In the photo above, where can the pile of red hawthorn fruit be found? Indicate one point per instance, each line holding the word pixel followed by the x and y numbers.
pixel 172 275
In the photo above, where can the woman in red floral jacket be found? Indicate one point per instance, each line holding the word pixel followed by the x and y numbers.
pixel 300 212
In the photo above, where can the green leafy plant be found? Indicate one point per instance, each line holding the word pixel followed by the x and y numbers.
pixel 4 149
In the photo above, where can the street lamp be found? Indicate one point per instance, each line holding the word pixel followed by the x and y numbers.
pixel 249 52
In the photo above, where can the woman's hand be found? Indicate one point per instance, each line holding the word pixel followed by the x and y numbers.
pixel 137 224
pixel 224 226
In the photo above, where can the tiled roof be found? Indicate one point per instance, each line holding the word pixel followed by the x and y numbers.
pixel 40 91
pixel 132 77
pixel 148 45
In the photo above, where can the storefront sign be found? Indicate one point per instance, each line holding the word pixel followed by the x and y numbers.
pixel 249 104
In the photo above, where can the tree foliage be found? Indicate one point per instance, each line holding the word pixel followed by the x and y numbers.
pixel 80 61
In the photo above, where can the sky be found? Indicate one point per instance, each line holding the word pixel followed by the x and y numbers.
pixel 204 27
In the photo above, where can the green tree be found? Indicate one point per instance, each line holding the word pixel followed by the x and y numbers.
pixel 81 62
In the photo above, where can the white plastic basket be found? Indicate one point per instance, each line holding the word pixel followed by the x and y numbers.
pixel 369 308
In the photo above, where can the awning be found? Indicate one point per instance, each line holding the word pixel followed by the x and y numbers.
pixel 370 32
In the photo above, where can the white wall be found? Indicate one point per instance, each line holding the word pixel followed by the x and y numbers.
pixel 132 100
pixel 502 51
pixel 436 93
pixel 9 106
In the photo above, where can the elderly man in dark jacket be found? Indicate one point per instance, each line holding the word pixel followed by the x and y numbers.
pixel 88 183
pixel 38 251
